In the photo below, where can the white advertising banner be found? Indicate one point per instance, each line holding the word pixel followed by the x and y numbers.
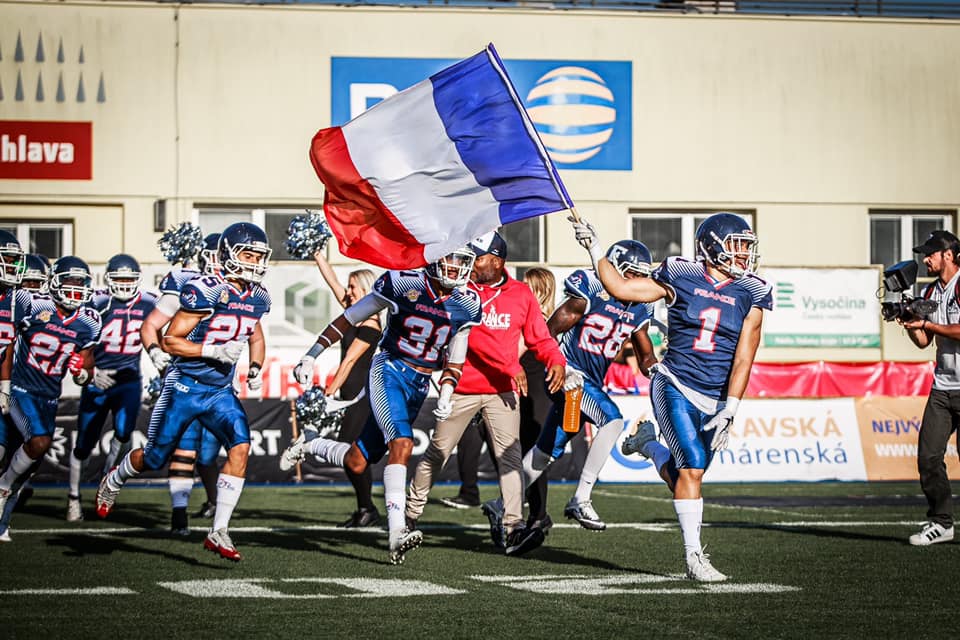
pixel 823 308
pixel 770 441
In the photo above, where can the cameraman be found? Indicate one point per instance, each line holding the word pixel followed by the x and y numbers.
pixel 942 413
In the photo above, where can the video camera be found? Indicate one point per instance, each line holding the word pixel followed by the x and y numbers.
pixel 897 279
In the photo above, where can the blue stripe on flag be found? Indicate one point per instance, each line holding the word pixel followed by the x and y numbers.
pixel 488 129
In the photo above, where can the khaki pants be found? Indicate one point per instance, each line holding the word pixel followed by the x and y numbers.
pixel 501 412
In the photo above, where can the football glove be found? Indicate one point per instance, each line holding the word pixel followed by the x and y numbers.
pixel 303 372
pixel 228 352
pixel 103 378
pixel 4 397
pixel 159 357
pixel 254 381
pixel 444 403
pixel 572 379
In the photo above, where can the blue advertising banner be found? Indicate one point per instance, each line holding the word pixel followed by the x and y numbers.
pixel 582 109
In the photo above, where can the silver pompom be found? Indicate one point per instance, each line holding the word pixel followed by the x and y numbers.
pixel 181 244
pixel 307 234
pixel 312 413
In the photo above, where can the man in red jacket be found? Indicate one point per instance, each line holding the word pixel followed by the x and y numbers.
pixel 491 381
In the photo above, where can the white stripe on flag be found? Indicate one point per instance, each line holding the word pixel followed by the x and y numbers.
pixel 404 152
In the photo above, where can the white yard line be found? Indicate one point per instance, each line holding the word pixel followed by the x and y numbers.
pixel 707 504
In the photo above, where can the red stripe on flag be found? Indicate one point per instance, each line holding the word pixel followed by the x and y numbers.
pixel 365 228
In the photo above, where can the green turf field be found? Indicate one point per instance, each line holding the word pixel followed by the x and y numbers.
pixel 805 560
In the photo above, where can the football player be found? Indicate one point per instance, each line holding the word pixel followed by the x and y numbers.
pixel 180 472
pixel 55 336
pixel 37 274
pixel 116 385
pixel 716 306
pixel 593 326
pixel 218 315
pixel 430 314
pixel 12 270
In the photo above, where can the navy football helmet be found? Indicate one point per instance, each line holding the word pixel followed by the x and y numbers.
pixel 207 259
pixel 630 258
pixel 37 275
pixel 123 276
pixel 71 284
pixel 240 237
pixel 12 263
pixel 452 270
pixel 727 242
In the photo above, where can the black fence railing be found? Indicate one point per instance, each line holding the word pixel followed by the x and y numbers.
pixel 944 9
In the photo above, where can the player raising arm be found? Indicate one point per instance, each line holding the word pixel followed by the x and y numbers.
pixel 429 315
pixel 716 306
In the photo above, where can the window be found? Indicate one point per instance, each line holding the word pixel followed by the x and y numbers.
pixel 524 240
pixel 894 233
pixel 52 239
pixel 671 233
pixel 274 222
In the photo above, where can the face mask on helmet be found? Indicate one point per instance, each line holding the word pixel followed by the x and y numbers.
pixel 123 277
pixel 209 264
pixel 630 258
pixel 71 286
pixel 37 274
pixel 727 242
pixel 453 270
pixel 244 252
pixel 12 260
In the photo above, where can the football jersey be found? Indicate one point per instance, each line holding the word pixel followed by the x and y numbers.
pixel 704 322
pixel 175 279
pixel 46 340
pixel 230 314
pixel 119 347
pixel 592 344
pixel 14 304
pixel 422 321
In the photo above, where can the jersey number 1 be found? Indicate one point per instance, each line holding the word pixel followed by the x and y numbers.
pixel 709 321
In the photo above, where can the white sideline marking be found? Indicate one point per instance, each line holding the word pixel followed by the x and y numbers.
pixel 633 583
pixel 653 527
pixel 89 591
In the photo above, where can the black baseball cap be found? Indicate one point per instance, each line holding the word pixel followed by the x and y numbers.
pixel 492 243
pixel 939 240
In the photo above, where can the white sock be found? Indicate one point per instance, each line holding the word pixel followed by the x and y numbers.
pixel 228 494
pixel 180 489
pixel 122 473
pixel 690 515
pixel 329 451
pixel 603 442
pixel 20 463
pixel 395 495
pixel 534 464
pixel 658 453
pixel 76 470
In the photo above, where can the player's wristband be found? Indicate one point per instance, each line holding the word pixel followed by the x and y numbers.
pixel 318 347
pixel 732 405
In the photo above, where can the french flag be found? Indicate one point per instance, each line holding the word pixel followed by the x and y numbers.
pixel 425 171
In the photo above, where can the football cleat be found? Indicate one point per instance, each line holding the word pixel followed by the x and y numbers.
pixel 207 510
pixel 523 539
pixel 700 569
pixel 544 524
pixel 646 432
pixel 219 542
pixel 106 497
pixel 585 514
pixel 459 502
pixel 493 509
pixel 931 533
pixel 5 536
pixel 294 454
pixel 74 509
pixel 364 518
pixel 179 525
pixel 407 541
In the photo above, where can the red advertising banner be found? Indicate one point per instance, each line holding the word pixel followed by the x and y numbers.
pixel 43 150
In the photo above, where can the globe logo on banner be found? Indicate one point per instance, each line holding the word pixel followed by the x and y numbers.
pixel 574 112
